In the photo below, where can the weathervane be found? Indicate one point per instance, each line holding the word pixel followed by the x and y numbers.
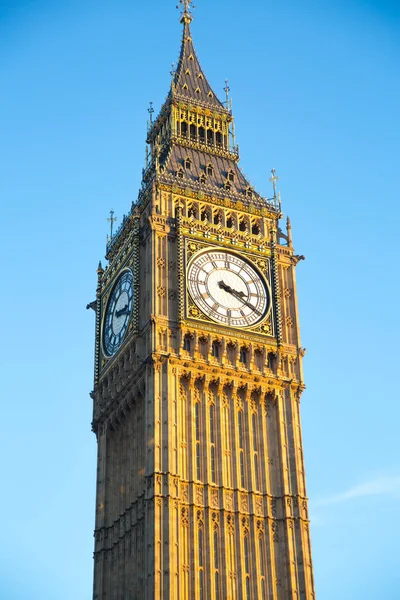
pixel 273 180
pixel 111 221
pixel 227 89
pixel 186 12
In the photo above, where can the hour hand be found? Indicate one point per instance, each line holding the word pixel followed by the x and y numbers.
pixel 225 287
pixel 230 290
pixel 123 311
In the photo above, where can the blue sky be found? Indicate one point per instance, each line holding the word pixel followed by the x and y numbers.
pixel 316 94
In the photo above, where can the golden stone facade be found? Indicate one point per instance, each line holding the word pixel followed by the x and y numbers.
pixel 200 482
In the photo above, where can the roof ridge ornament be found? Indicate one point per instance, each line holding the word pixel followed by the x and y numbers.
pixel 186 10
pixel 111 220
pixel 227 89
pixel 273 180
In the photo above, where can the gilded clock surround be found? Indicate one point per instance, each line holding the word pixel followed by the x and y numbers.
pixel 200 480
pixel 193 311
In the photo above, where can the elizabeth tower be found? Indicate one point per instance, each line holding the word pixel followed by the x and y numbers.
pixel 198 374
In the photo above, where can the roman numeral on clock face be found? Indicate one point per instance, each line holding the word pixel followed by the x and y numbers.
pixel 224 283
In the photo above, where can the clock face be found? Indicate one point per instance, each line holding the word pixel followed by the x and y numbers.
pixel 227 288
pixel 118 312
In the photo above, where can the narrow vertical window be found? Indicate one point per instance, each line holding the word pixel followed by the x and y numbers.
pixel 240 425
pixel 255 451
pixel 241 448
pixel 226 432
pixel 198 453
pixel 257 478
pixel 254 423
pixel 201 563
pixel 197 415
pixel 216 564
pixel 201 586
pixel 247 588
pixel 212 419
pixel 216 558
pixel 246 554
pixel 243 356
pixel 263 590
pixel 247 564
pixel 212 441
pixel 201 549
pixel 242 480
pixel 215 350
pixel 213 464
pixel 261 550
pixel 216 585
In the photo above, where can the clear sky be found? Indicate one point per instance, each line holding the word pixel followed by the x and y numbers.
pixel 316 94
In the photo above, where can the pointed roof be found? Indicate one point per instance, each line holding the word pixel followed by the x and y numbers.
pixel 224 172
pixel 189 81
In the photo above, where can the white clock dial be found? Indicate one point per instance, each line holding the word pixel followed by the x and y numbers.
pixel 227 288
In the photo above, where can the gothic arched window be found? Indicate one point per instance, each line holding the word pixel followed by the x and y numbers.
pixel 187 343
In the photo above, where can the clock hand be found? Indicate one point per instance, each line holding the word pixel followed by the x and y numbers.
pixel 123 311
pixel 253 308
pixel 230 290
pixel 238 295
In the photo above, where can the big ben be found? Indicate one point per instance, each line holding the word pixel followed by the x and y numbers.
pixel 198 373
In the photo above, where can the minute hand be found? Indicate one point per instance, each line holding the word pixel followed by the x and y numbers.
pixel 238 295
pixel 246 302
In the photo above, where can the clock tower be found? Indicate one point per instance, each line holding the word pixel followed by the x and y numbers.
pixel 198 374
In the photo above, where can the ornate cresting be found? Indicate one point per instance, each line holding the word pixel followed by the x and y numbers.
pixel 200 487
pixel 100 272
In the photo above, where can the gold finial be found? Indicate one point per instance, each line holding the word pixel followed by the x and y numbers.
pixel 273 180
pixel 186 10
pixel 111 221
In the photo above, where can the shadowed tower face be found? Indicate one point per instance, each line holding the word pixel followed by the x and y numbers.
pixel 198 376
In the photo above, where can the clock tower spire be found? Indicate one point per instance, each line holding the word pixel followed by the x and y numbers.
pixel 198 373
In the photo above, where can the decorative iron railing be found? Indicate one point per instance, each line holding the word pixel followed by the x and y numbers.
pixel 112 241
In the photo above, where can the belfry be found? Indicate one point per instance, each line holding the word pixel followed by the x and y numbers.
pixel 198 373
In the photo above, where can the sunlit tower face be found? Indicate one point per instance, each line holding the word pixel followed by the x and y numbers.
pixel 200 477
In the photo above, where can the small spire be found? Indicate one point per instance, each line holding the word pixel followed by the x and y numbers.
pixel 100 267
pixel 273 180
pixel 227 89
pixel 289 231
pixel 150 110
pixel 186 11
pixel 111 220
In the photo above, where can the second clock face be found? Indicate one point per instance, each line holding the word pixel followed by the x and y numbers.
pixel 118 312
pixel 227 288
